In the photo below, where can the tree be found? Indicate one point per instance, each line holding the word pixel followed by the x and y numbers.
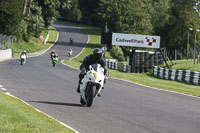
pixel 70 9
pixel 126 16
pixel 35 22
pixel 183 16
pixel 11 16
pixel 159 11
pixel 88 9
pixel 49 10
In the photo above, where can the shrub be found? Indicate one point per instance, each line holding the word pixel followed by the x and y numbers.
pixel 117 53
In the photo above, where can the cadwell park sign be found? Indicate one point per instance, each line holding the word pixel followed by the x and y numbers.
pixel 139 61
pixel 133 40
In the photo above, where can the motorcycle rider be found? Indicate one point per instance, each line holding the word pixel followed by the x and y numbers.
pixel 23 53
pixel 70 52
pixel 96 57
pixel 53 54
pixel 71 40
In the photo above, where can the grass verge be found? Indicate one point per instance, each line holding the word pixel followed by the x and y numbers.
pixel 34 45
pixel 141 78
pixel 17 117
pixel 184 65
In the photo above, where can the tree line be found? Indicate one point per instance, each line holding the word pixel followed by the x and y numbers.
pixel 170 19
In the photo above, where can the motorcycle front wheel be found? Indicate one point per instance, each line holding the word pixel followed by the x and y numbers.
pixel 89 94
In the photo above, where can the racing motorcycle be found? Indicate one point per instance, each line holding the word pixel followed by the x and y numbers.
pixel 91 85
pixel 55 60
pixel 70 53
pixel 71 40
pixel 23 59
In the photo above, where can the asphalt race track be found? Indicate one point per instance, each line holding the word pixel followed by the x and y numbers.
pixel 123 108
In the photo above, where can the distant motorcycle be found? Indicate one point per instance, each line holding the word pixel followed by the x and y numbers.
pixel 91 84
pixel 70 53
pixel 55 60
pixel 23 59
pixel 71 40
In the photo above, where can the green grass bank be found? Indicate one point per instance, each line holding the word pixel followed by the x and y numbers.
pixel 141 78
pixel 17 117
pixel 35 44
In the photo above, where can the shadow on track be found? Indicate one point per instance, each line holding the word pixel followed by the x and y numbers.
pixel 57 103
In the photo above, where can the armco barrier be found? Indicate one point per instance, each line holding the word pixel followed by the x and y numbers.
pixel 118 66
pixel 188 76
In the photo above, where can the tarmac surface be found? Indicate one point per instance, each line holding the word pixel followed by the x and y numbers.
pixel 123 108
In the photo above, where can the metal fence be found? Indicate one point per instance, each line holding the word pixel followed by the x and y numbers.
pixel 6 41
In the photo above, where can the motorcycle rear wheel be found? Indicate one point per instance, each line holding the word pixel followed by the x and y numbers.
pixel 54 64
pixel 22 61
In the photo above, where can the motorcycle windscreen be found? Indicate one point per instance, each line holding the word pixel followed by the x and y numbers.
pixel 97 67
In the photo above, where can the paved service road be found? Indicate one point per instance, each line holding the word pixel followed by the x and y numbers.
pixel 123 108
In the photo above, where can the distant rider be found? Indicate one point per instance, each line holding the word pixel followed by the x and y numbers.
pixel 71 40
pixel 70 52
pixel 96 57
pixel 23 54
pixel 53 54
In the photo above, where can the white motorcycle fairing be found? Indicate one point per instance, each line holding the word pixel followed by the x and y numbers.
pixel 23 56
pixel 93 78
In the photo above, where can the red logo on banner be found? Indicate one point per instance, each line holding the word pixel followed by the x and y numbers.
pixel 150 42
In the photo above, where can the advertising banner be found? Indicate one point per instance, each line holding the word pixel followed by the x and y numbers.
pixel 134 40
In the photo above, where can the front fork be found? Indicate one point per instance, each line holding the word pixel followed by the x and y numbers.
pixel 83 86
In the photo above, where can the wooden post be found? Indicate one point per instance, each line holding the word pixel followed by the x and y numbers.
pixel 198 57
pixel 175 52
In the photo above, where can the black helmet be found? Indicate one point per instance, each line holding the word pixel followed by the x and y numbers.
pixel 97 53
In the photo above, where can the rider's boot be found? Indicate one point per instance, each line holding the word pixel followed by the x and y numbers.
pixel 78 89
pixel 99 95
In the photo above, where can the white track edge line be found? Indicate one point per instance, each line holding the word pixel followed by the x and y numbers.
pixel 156 88
pixel 43 112
pixel 4 89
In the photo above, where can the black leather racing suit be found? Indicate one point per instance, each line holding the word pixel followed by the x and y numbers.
pixel 89 60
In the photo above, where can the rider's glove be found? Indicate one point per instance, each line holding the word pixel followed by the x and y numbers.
pixel 83 72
